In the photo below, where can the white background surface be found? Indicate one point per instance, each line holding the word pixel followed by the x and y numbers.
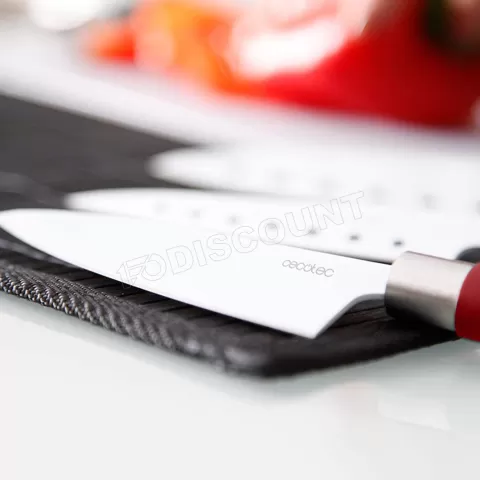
pixel 79 402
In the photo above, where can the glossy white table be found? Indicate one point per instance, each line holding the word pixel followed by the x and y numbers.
pixel 79 402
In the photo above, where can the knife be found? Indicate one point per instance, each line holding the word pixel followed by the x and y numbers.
pixel 428 174
pixel 289 289
pixel 371 233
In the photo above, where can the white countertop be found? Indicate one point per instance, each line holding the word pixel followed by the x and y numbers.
pixel 82 403
pixel 79 402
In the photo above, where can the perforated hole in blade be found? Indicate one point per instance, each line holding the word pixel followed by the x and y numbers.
pixel 271 227
pixel 233 219
pixel 429 201
pixel 195 213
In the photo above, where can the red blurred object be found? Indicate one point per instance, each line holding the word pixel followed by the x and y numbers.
pixel 177 36
pixel 468 307
pixel 110 41
pixel 392 71
pixel 187 38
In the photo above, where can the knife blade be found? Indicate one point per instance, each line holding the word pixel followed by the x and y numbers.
pixel 290 289
pixel 429 174
pixel 370 234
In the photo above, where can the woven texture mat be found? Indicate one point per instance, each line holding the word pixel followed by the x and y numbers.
pixel 45 154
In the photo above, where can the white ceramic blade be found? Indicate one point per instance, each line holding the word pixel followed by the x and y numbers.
pixel 293 290
pixel 431 175
pixel 375 234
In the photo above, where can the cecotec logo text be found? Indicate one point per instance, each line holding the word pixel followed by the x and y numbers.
pixel 309 268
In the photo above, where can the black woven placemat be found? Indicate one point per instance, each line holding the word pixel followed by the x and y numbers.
pixel 46 153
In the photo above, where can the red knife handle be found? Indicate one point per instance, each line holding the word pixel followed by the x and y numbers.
pixel 467 314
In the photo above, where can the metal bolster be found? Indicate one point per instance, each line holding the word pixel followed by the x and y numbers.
pixel 426 287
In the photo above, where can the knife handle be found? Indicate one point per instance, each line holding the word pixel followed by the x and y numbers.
pixel 441 292
pixel 467 314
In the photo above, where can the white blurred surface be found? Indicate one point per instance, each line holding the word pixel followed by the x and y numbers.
pixel 431 176
pixel 48 68
pixel 79 402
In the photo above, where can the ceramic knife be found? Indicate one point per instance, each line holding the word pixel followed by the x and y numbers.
pixel 355 228
pixel 430 174
pixel 289 289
